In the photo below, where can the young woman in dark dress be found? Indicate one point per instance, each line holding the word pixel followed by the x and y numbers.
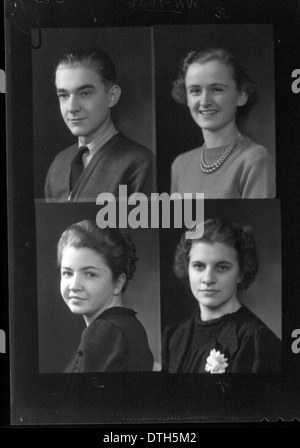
pixel 96 265
pixel 222 336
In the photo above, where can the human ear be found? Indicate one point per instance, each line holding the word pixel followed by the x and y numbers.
pixel 243 98
pixel 114 95
pixel 240 278
pixel 119 284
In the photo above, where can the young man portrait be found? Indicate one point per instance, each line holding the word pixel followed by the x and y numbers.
pixel 102 158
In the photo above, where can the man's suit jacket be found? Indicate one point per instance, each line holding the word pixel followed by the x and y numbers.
pixel 121 161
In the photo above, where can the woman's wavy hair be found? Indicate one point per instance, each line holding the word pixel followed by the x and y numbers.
pixel 243 82
pixel 114 245
pixel 225 232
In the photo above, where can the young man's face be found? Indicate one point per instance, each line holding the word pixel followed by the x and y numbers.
pixel 85 101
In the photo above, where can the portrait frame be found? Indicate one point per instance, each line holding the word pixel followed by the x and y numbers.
pixel 148 398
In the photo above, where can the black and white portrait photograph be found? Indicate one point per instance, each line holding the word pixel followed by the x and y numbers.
pixel 85 272
pixel 218 86
pixel 121 118
pixel 100 96
pixel 221 293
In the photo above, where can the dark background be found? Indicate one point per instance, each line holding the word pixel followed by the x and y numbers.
pixel 59 329
pixel 130 50
pixel 55 398
pixel 263 296
pixel 176 130
pixel 4 358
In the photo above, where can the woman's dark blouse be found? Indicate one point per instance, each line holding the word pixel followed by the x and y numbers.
pixel 249 345
pixel 114 342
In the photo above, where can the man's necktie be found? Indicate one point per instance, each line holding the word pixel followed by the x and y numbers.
pixel 77 166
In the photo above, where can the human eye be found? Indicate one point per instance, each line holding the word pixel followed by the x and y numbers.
pixel 62 96
pixel 90 274
pixel 65 273
pixel 217 89
pixel 85 93
pixel 194 91
pixel 198 266
pixel 223 267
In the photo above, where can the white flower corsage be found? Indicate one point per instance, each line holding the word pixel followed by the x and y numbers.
pixel 216 363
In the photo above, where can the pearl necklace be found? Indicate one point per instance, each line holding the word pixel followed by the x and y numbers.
pixel 213 167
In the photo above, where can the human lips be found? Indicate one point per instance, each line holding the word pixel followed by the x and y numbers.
pixel 208 113
pixel 209 292
pixel 75 120
pixel 77 298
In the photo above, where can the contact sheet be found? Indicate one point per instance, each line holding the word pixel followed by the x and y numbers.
pixel 158 283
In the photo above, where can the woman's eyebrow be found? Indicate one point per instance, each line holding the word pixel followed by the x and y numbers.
pixel 193 86
pixel 214 84
pixel 196 260
pixel 90 267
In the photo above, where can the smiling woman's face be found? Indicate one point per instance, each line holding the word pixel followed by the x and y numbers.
pixel 212 95
pixel 214 274
pixel 87 285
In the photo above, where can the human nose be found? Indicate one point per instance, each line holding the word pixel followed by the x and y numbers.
pixel 73 104
pixel 205 98
pixel 208 277
pixel 75 283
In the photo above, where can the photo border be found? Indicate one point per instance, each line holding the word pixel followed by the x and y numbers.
pixel 146 397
